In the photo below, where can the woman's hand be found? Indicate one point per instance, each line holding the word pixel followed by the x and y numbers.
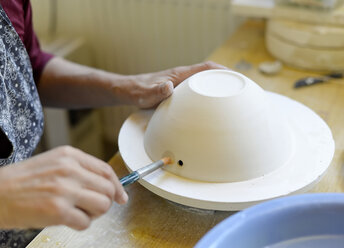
pixel 61 187
pixel 148 90
pixel 69 85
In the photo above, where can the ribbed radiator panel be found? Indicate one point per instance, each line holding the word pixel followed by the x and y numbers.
pixel 134 36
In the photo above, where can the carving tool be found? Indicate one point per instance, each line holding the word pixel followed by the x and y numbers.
pixel 315 80
pixel 136 175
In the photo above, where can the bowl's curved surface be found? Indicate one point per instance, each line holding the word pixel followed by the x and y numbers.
pixel 221 127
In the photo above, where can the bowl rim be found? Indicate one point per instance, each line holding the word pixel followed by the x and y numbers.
pixel 231 223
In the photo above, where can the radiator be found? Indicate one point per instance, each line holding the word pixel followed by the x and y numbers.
pixel 133 36
pixel 136 36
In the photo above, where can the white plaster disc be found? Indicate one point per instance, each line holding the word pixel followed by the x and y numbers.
pixel 309 58
pixel 308 35
pixel 313 152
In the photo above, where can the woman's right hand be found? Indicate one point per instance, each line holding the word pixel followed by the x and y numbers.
pixel 64 186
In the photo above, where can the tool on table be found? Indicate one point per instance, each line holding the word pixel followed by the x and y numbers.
pixel 314 80
pixel 136 175
pixel 243 65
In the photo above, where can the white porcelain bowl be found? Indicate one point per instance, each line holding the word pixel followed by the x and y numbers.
pixel 219 126
pixel 236 148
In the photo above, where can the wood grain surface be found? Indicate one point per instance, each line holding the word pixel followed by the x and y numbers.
pixel 150 221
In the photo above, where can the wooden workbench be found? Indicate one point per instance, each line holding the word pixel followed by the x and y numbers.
pixel 150 221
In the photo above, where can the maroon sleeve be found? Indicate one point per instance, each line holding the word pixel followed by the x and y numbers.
pixel 38 58
pixel 20 14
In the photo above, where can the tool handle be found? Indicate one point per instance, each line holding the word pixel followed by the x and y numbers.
pixel 129 179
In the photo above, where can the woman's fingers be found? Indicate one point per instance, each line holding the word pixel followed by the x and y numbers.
pixel 87 161
pixel 63 186
pixel 76 218
pixel 121 197
pixel 99 167
pixel 155 87
pixel 179 74
pixel 102 169
pixel 96 183
pixel 156 93
pixel 91 202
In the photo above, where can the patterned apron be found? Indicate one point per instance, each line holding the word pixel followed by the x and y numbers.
pixel 21 115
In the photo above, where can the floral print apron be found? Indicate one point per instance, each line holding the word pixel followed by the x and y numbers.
pixel 21 115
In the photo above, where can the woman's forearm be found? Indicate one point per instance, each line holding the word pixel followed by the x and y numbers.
pixel 70 85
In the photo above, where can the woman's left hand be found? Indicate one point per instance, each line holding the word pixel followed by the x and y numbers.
pixel 149 89
pixel 69 85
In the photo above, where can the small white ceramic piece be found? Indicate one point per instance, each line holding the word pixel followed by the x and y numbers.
pixel 235 147
pixel 270 68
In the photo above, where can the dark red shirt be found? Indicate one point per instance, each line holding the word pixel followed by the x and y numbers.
pixel 20 14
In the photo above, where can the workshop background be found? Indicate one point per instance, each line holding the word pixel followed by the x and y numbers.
pixel 127 37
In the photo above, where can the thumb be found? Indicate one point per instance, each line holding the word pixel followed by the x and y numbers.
pixel 165 89
pixel 162 91
pixel 157 94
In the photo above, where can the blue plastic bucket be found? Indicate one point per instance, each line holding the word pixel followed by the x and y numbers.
pixel 309 220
